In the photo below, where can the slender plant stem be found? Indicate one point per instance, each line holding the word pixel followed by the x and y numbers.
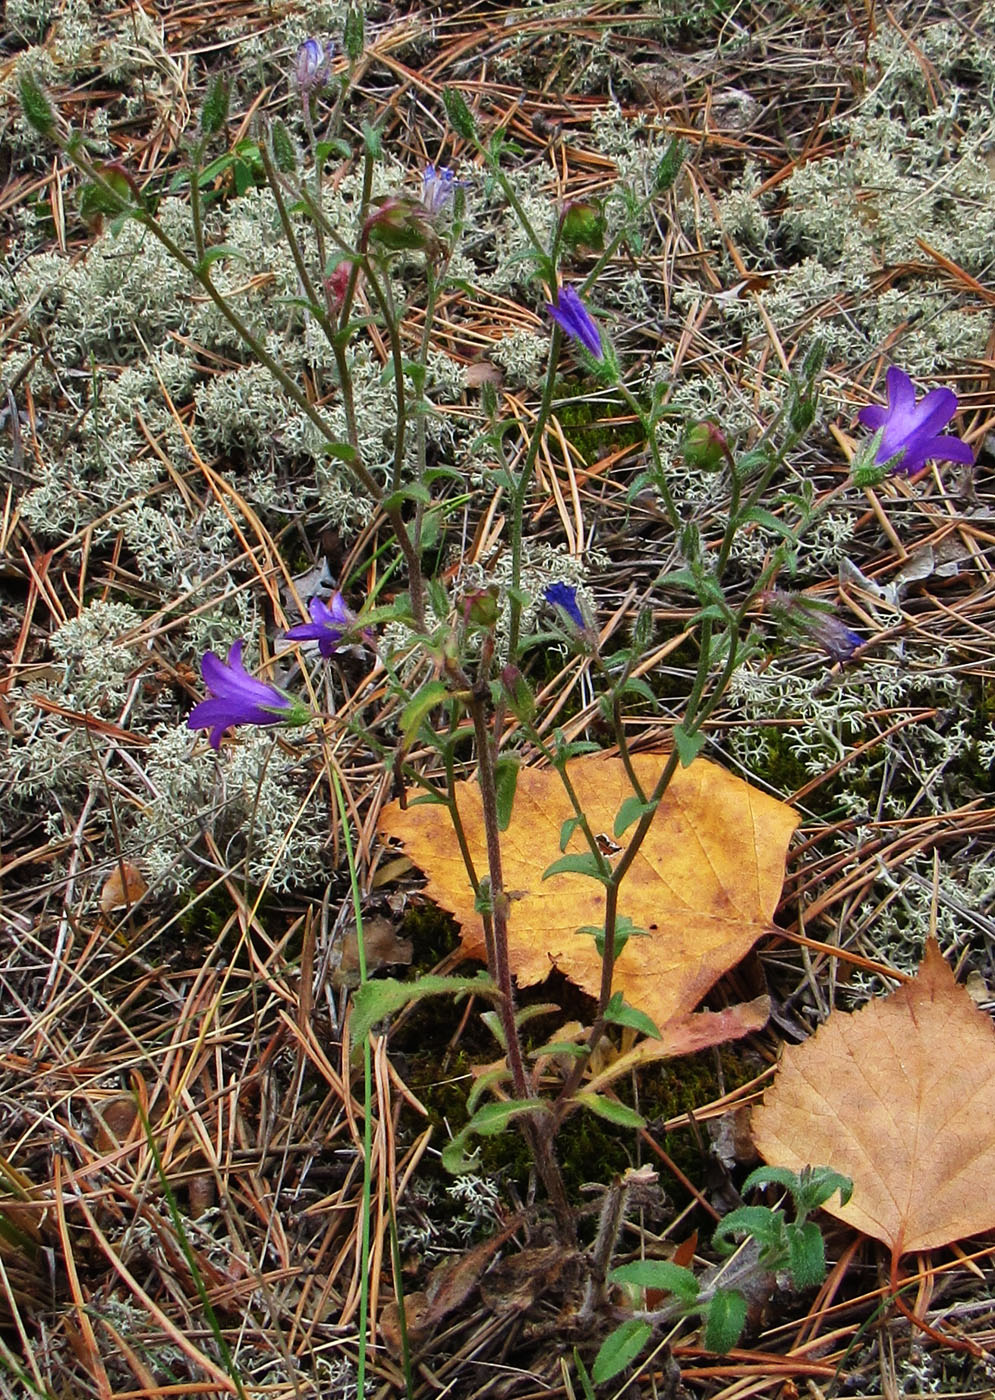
pixel 364 1260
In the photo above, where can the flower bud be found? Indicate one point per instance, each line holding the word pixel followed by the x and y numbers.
pixel 705 446
pixel 582 226
pixel 313 65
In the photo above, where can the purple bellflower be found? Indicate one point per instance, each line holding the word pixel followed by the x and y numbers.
pixel 235 697
pixel 313 65
pixel 329 624
pixel 914 429
pixel 564 596
pixel 438 188
pixel 573 317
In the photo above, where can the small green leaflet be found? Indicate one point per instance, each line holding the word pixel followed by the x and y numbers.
pixel 619 1349
pixel 630 811
pixel 611 1110
pixel 506 780
pixel 688 746
pixel 584 864
pixel 618 1013
pixel 658 1273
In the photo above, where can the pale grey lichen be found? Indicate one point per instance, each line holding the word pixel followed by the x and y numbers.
pixel 252 797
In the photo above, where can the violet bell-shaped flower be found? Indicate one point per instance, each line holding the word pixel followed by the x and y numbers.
pixel 313 65
pixel 913 430
pixel 329 624
pixel 564 596
pixel 574 319
pixel 235 697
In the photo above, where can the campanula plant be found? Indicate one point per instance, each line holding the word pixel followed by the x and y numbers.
pixel 369 291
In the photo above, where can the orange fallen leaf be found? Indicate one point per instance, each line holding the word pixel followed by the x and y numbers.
pixel 704 884
pixel 900 1097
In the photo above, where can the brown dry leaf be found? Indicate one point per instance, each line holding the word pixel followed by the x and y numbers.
pixel 123 887
pixel 900 1097
pixel 686 1036
pixel 381 945
pixel 705 883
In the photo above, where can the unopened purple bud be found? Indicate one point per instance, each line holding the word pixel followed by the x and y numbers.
pixel 812 621
pixel 313 66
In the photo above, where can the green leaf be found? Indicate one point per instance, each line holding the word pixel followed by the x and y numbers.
pixel 610 1109
pixel 492 1021
pixel 635 685
pixel 585 1379
pixel 341 451
pixel 377 999
pixel 334 146
pixel 669 166
pixel 559 1047
pixel 806 1254
pixel 420 705
pixel 724 1320
pixel 776 1176
pixel 494 1118
pixel 506 781
pixel 443 473
pixel 574 748
pixel 454 1157
pixel 766 1226
pixel 757 516
pixel 214 112
pixel 688 746
pixel 658 1273
pixel 630 811
pixel 372 143
pixel 583 864
pixel 567 830
pixel 428 799
pixel 624 930
pixel 619 1013
pixel 415 491
pixel 620 1348
pixel 459 114
pixel 480 1085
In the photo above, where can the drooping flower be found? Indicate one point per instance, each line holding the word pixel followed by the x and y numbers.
pixel 914 429
pixel 235 697
pixel 328 624
pixel 438 188
pixel 813 621
pixel 564 596
pixel 573 317
pixel 313 65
